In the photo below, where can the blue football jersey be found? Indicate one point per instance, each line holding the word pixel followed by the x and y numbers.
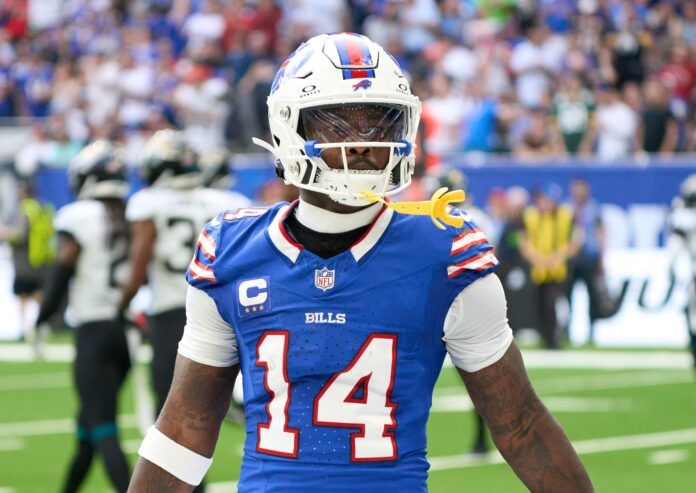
pixel 339 355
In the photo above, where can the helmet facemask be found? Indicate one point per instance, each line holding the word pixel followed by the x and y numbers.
pixel 353 147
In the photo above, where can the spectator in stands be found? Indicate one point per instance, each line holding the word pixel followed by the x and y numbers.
pixel 61 147
pixel 614 127
pixel 384 27
pixel 540 141
pixel 7 107
pixel 479 124
pixel 573 108
pixel 449 108
pixel 658 130
pixel 586 265
pixel 627 43
pixel 205 25
pixel 200 103
pixel 548 241
pixel 679 74
pixel 420 20
pixel 533 63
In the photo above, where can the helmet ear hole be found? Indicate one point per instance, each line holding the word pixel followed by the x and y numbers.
pixel 279 171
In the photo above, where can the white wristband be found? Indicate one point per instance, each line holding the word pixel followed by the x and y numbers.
pixel 177 460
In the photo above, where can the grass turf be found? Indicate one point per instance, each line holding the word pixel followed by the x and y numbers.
pixel 34 456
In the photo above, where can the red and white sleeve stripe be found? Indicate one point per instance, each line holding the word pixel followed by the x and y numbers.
pixel 206 244
pixel 201 272
pixel 483 260
pixel 468 239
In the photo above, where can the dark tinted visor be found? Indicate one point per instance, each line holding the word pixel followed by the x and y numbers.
pixel 353 122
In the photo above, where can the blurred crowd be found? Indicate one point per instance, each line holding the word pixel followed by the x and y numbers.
pixel 548 240
pixel 535 78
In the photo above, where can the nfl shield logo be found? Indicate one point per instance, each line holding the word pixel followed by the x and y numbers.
pixel 324 278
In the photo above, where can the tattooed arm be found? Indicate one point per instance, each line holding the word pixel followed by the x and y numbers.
pixel 195 407
pixel 524 431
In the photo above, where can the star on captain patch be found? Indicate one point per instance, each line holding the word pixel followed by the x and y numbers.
pixel 324 278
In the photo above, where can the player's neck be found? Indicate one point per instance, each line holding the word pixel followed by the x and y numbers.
pixel 323 221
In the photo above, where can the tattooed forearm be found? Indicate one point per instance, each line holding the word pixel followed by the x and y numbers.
pixel 526 434
pixel 195 407
pixel 196 404
pixel 149 478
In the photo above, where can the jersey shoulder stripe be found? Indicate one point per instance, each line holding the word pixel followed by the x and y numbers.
pixel 220 241
pixel 200 272
pixel 206 244
pixel 470 252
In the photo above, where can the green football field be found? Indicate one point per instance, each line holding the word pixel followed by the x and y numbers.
pixel 635 429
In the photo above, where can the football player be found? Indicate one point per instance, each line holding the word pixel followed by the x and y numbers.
pixel 165 219
pixel 340 312
pixel 92 251
pixel 683 223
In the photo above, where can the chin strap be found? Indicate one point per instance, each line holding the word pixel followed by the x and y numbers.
pixel 436 207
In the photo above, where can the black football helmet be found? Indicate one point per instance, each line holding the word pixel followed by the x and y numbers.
pixel 687 191
pixel 214 166
pixel 97 172
pixel 169 161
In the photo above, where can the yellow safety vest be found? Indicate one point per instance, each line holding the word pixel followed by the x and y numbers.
pixel 41 248
pixel 549 233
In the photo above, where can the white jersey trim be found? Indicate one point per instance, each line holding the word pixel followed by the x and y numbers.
pixel 373 235
pixel 476 330
pixel 280 237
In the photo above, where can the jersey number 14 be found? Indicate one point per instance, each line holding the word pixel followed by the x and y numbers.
pixel 371 370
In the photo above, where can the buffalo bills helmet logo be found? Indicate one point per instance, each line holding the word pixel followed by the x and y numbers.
pixel 363 84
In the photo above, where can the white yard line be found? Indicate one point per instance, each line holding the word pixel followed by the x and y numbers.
pixel 130 447
pixel 583 447
pixel 462 402
pixel 53 426
pixel 11 445
pixel 533 358
pixel 17 352
pixel 616 360
pixel 222 487
pixel 662 457
pixel 33 381
pixel 605 381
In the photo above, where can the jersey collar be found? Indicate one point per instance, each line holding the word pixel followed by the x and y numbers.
pixel 291 249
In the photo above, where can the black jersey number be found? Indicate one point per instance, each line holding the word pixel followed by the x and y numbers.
pixel 183 232
pixel 119 251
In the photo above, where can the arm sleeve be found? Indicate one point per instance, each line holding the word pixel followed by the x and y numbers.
pixel 207 338
pixel 476 331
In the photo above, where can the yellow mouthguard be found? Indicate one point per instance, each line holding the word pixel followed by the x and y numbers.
pixel 436 207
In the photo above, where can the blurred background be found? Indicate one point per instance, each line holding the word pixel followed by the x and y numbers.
pixel 584 109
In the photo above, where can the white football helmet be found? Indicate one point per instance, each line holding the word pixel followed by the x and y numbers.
pixel 324 83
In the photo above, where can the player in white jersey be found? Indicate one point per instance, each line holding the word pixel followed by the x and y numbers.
pixel 683 223
pixel 166 218
pixel 92 251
